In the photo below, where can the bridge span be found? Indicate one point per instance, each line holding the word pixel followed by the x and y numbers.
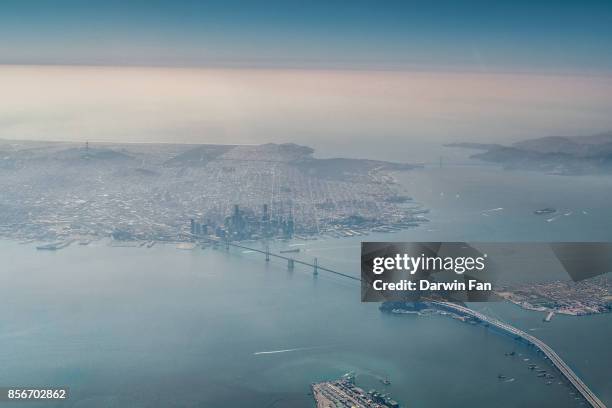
pixel 290 261
pixel 554 358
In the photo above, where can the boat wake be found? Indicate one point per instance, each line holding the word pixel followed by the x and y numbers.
pixel 486 213
pixel 258 353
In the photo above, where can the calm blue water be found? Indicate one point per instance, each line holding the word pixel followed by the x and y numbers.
pixel 163 327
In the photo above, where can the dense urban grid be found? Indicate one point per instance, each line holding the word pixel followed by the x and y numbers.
pixel 163 192
pixel 589 296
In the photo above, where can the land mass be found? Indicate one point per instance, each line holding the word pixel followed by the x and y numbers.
pixel 62 191
pixel 586 297
pixel 555 154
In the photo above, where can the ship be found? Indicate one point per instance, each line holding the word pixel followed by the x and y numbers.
pixel 385 381
pixel 54 246
pixel 288 251
pixel 547 210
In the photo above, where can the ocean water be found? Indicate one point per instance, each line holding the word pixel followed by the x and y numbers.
pixel 163 327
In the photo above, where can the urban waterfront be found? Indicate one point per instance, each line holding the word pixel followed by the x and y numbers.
pixel 167 327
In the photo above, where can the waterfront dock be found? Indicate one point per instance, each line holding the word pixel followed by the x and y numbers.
pixel 343 393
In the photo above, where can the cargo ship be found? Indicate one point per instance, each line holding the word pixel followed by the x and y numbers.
pixel 547 210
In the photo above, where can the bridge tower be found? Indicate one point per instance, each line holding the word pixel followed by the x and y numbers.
pixel 267 252
pixel 227 244
pixel 315 272
pixel 290 264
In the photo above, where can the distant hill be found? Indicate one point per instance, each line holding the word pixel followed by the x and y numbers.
pixel 95 154
pixel 198 156
pixel 475 146
pixel 558 154
pixel 581 146
pixel 272 152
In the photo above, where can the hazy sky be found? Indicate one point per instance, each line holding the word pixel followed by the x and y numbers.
pixel 344 109
pixel 343 75
pixel 551 35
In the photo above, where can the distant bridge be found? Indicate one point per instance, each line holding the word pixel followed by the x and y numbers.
pixel 554 358
pixel 290 261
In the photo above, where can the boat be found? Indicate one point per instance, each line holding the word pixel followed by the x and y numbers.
pixel 288 251
pixel 188 246
pixel 547 210
pixel 54 246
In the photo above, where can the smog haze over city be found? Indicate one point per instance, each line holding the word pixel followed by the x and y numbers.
pixel 252 73
pixel 186 188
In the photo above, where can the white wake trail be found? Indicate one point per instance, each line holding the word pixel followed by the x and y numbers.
pixel 258 353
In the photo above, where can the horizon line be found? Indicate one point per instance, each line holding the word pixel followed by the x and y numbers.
pixel 401 68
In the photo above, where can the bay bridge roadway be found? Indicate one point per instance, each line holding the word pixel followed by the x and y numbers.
pixel 290 261
pixel 553 357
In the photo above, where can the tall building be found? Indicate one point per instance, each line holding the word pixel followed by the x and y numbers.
pixel 265 222
pixel 236 224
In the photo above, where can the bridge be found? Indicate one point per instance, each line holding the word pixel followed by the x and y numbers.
pixel 554 358
pixel 290 261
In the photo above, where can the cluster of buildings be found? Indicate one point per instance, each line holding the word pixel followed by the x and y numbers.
pixel 149 192
pixel 243 225
pixel 589 296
